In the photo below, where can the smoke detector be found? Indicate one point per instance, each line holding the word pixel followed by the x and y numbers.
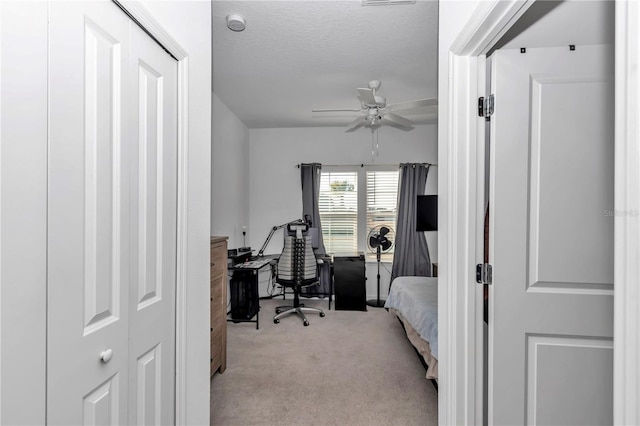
pixel 236 22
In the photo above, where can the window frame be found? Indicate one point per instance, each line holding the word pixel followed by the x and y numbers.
pixel 362 231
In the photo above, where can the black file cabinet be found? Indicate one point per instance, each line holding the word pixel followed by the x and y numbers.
pixel 349 280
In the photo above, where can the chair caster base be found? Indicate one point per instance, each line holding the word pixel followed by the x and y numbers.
pixel 282 311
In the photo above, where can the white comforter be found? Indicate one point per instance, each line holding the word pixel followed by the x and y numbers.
pixel 416 298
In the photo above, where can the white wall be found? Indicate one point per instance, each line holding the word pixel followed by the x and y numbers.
pixel 23 214
pixel 229 174
pixel 275 195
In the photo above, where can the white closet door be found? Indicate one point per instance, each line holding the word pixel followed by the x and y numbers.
pixel 153 231
pixel 111 282
pixel 551 302
pixel 88 249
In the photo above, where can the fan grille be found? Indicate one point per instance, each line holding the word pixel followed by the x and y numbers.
pixel 375 231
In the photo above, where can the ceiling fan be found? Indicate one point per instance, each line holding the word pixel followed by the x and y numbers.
pixel 376 112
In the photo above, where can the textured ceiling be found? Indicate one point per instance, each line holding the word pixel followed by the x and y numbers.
pixel 299 55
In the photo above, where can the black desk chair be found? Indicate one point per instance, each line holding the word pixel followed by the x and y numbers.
pixel 297 268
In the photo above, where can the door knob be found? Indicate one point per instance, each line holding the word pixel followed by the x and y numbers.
pixel 105 356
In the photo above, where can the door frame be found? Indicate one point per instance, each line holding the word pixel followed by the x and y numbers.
pixel 151 26
pixel 460 317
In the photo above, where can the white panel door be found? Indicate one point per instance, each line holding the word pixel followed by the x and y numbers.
pixel 88 247
pixel 153 207
pixel 111 282
pixel 551 302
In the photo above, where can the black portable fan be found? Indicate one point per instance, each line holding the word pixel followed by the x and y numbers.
pixel 379 240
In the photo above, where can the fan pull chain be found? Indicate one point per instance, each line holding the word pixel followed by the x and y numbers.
pixel 372 147
pixel 375 146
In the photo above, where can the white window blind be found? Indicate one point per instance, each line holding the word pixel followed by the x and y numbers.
pixel 338 205
pixel 382 201
pixel 348 215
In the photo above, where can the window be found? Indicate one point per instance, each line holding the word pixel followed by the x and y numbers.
pixel 348 215
pixel 338 205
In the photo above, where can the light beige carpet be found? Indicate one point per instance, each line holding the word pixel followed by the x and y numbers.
pixel 348 368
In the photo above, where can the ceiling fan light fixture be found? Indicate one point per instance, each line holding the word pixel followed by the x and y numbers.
pixel 376 112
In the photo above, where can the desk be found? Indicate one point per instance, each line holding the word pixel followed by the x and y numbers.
pixel 245 303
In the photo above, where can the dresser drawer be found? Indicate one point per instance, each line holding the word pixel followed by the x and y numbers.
pixel 217 289
pixel 218 257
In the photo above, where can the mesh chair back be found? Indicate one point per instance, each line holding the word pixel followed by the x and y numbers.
pixel 297 263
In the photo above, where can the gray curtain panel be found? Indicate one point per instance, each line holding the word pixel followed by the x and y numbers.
pixel 310 179
pixel 411 256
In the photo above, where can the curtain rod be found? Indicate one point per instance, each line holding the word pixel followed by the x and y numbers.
pixel 363 165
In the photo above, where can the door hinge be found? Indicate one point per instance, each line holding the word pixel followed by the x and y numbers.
pixel 484 274
pixel 486 106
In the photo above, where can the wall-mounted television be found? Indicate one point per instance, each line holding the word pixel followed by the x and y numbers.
pixel 427 213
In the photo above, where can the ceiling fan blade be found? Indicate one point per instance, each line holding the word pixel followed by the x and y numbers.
pixel 366 96
pixel 336 110
pixel 388 122
pixel 419 103
pixel 398 119
pixel 356 123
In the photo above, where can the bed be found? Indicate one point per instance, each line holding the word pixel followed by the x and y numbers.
pixel 414 300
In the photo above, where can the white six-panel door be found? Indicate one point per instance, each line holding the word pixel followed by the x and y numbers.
pixel 112 220
pixel 551 302
pixel 153 209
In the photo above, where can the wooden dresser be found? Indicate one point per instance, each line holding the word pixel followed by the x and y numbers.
pixel 218 276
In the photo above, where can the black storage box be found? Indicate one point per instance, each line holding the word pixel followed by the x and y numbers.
pixel 350 282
